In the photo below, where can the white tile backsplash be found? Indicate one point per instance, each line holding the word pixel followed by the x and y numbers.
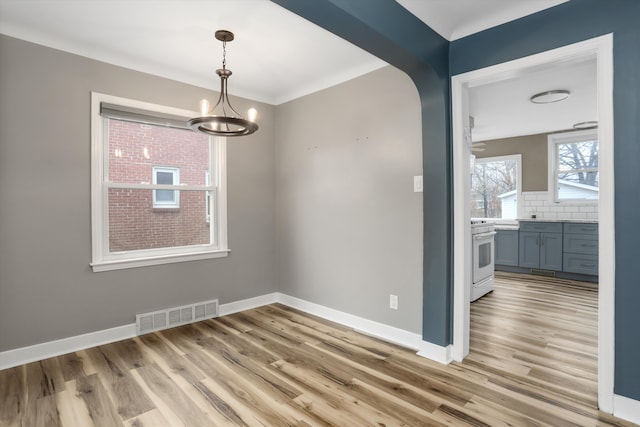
pixel 589 209
pixel 540 204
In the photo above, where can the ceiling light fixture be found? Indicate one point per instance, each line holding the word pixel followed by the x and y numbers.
pixel 586 125
pixel 550 96
pixel 223 119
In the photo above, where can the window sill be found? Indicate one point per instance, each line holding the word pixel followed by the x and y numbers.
pixel 122 264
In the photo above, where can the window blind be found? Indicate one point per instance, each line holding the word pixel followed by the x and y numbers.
pixel 133 114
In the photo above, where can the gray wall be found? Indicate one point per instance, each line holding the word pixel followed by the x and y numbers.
pixel 349 226
pixel 387 30
pixel 47 289
pixel 534 157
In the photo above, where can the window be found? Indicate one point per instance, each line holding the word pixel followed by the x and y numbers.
pixel 495 187
pixel 573 166
pixel 158 188
pixel 166 198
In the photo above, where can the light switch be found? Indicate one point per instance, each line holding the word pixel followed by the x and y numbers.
pixel 393 302
pixel 417 184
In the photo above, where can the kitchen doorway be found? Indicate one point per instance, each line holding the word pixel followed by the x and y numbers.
pixel 601 48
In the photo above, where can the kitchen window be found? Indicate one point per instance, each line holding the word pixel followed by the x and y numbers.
pixel 573 166
pixel 495 188
pixel 158 188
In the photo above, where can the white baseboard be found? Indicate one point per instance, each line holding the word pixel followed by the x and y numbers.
pixel 626 408
pixel 33 353
pixel 247 304
pixel 20 356
pixel 436 352
pixel 369 327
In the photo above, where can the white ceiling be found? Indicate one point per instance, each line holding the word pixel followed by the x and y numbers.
pixel 276 56
pixel 503 110
pixel 454 19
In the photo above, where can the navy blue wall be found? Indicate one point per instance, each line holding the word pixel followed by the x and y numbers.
pixel 568 23
pixel 385 29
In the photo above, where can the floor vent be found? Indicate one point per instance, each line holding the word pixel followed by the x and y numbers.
pixel 539 272
pixel 163 319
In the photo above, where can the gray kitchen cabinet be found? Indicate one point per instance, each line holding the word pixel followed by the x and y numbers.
pixel 551 251
pixel 506 247
pixel 580 248
pixel 540 245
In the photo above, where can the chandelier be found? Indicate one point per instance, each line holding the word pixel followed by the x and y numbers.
pixel 223 119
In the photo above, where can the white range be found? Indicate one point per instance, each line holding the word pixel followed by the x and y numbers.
pixel 482 241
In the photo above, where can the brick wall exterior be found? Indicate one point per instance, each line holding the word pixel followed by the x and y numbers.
pixel 134 149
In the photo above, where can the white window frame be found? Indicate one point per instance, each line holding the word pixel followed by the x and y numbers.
pixel 207 203
pixel 518 159
pixel 175 172
pixel 552 155
pixel 102 259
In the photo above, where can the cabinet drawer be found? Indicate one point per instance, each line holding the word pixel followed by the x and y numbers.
pixel 581 244
pixel 578 228
pixel 541 227
pixel 580 263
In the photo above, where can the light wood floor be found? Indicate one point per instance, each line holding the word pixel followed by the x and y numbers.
pixel 532 363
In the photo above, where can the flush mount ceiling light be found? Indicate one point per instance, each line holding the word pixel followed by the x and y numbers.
pixel 586 125
pixel 223 119
pixel 550 96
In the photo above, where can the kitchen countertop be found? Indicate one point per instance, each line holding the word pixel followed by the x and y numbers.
pixel 583 221
pixel 517 226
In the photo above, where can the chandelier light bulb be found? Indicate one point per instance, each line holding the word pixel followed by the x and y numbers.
pixel 204 107
pixel 252 114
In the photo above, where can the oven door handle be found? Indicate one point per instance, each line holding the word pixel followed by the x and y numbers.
pixel 483 235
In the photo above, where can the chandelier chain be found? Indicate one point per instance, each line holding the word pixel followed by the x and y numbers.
pixel 224 55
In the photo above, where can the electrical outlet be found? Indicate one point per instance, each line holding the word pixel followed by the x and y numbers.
pixel 417 184
pixel 393 301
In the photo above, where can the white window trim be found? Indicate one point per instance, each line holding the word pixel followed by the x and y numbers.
pixel 208 196
pixel 175 204
pixel 563 138
pixel 519 205
pixel 102 260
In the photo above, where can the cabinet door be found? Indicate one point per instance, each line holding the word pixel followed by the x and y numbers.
pixel 551 251
pixel 529 251
pixel 506 247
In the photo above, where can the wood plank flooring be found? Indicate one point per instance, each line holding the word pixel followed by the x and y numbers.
pixel 532 363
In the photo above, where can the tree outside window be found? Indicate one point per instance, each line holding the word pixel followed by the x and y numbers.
pixel 494 187
pixel 573 168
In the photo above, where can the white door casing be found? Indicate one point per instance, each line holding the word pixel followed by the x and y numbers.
pixel 600 48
